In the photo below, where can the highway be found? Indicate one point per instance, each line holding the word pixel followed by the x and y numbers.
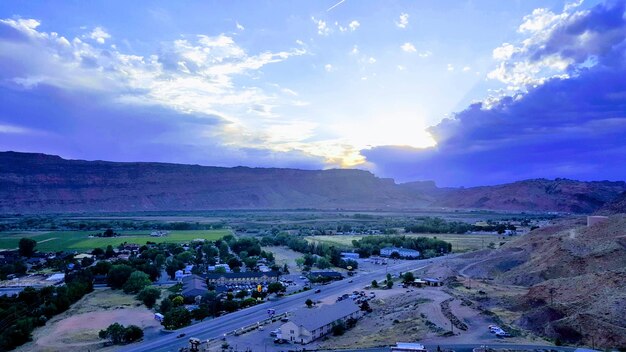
pixel 217 327
pixel 469 347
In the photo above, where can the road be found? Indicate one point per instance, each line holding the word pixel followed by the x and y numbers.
pixel 219 326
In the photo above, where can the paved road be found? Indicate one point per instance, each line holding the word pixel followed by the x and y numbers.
pixel 217 327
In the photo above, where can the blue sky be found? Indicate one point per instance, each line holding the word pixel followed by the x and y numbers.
pixel 460 92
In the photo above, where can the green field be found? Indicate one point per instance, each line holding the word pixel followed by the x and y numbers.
pixel 460 242
pixel 78 240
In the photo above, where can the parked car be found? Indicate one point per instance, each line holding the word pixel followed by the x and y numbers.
pixel 318 291
pixel 181 335
pixel 284 319
pixel 280 341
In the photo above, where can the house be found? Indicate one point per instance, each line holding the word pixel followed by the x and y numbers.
pixel 83 256
pixel 349 255
pixel 178 275
pixel 159 233
pixel 247 278
pixel 433 282
pixel 194 286
pixel 310 324
pixel 401 252
pixel 158 317
pixel 188 269
pixel 214 267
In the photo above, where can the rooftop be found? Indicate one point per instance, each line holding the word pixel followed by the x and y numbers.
pixel 312 319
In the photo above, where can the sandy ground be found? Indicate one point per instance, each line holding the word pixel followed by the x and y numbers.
pixel 77 329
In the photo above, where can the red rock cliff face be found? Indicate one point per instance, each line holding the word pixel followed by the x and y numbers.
pixel 44 183
pixel 33 183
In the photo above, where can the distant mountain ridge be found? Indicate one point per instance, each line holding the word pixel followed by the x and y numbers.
pixel 40 183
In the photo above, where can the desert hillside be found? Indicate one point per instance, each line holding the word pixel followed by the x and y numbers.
pixel 576 279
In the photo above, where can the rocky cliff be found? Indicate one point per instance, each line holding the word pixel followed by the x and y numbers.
pixel 32 183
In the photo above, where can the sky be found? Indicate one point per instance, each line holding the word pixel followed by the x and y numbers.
pixel 464 93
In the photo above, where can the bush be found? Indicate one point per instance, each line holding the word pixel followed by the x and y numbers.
pixel 149 296
pixel 118 334
pixel 339 329
pixel 136 282
pixel 177 318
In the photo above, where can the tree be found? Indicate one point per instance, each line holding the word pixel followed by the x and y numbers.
pixel 178 301
pixel 177 318
pixel 408 277
pixel 389 284
pixel 109 252
pixel 115 333
pixel 27 247
pixel 118 334
pixel 166 305
pixel 365 306
pixel 374 284
pixel 132 334
pixel 118 275
pixel 101 268
pixel 285 269
pixel 136 282
pixel 308 302
pixel 275 287
pixel 98 252
pixel 159 260
pixel 323 263
pixel 339 328
pixel 149 295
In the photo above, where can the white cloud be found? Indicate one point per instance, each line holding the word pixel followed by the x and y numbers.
pixel 355 50
pixel 466 69
pixel 401 68
pixel 329 68
pixel 354 25
pixel 408 47
pixel 450 67
pixel 99 35
pixel 425 54
pixel 240 26
pixel 371 60
pixel 322 27
pixel 403 21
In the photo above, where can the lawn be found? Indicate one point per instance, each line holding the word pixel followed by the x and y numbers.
pixel 79 240
pixel 460 242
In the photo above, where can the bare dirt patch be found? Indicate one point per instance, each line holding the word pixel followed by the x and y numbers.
pixel 77 329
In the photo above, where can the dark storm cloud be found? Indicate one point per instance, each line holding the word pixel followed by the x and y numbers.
pixel 573 127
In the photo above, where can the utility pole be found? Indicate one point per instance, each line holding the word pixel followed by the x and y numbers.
pixel 451 327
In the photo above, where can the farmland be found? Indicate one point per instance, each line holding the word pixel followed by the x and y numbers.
pixel 460 242
pixel 52 241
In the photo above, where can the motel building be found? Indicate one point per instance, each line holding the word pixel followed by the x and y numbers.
pixel 310 324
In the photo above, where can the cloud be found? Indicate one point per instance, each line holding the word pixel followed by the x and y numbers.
pixel 403 21
pixel 558 44
pixel 240 27
pixel 329 68
pixel 450 67
pixel 322 27
pixel 564 127
pixel 354 25
pixel 466 69
pixel 408 47
pixel 425 54
pixel 194 95
pixel 99 35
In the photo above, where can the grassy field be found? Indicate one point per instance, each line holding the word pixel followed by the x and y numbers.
pixel 460 242
pixel 79 240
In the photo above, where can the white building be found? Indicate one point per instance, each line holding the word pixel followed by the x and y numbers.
pixel 310 324
pixel 402 252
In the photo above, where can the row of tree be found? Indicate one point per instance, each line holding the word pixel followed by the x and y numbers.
pixel 428 247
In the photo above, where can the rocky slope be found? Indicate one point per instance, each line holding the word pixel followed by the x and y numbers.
pixel 616 206
pixel 576 279
pixel 32 183
pixel 560 195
